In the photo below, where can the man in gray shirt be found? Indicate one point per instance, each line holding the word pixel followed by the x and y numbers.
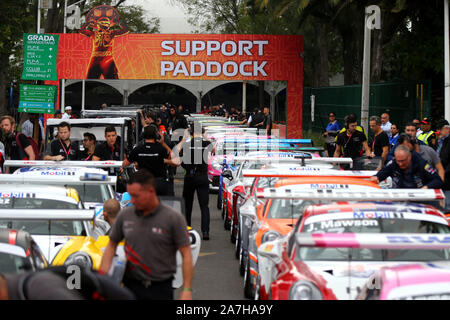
pixel 153 233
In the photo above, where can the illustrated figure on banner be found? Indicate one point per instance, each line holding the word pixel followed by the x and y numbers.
pixel 103 25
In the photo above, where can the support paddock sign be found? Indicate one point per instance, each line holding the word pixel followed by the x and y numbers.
pixel 123 55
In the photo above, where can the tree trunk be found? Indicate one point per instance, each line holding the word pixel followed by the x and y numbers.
pixel 4 102
pixel 322 48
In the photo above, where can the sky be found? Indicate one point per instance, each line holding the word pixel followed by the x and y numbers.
pixel 172 16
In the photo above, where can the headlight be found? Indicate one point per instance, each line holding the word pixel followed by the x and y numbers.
pixel 270 235
pixel 79 258
pixel 304 290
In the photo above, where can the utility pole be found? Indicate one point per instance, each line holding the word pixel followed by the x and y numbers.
pixel 372 21
pixel 446 63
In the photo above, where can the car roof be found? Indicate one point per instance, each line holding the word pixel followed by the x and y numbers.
pixel 328 182
pixel 69 174
pixel 39 192
pixel 89 121
pixel 369 210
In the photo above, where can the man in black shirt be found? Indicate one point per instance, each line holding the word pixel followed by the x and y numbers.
pixel 62 148
pixel 380 144
pixel 267 125
pixel 194 157
pixel 152 156
pixel 257 119
pixel 110 149
pixel 176 120
pixel 351 143
pixel 17 145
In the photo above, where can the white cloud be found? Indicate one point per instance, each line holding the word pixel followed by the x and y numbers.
pixel 172 16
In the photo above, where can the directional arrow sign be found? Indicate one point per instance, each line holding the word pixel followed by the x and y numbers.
pixel 40 56
pixel 37 98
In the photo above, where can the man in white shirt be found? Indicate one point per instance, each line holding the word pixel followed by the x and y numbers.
pixel 67 113
pixel 385 124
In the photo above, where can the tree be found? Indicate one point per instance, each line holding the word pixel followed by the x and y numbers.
pixel 17 18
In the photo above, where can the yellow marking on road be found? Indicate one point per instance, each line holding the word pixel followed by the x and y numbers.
pixel 202 254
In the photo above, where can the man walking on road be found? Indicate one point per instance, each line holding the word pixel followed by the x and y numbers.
pixel 153 233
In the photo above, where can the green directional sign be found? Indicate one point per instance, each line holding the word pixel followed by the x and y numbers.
pixel 37 98
pixel 39 60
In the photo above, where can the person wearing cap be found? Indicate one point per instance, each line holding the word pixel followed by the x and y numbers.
pixel 58 114
pixel 427 136
pixel 443 149
pixel 68 113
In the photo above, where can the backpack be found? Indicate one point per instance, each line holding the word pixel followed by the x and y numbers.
pixel 34 145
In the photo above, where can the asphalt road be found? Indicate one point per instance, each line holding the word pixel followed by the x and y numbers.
pixel 216 273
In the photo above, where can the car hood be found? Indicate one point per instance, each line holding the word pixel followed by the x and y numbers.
pixel 346 279
pixel 283 226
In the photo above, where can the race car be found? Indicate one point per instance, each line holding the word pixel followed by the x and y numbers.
pixel 277 217
pixel 93 185
pixel 336 247
pixel 246 210
pixel 419 281
pixel 19 252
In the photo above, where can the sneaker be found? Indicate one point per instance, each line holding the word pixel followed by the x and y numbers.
pixel 205 236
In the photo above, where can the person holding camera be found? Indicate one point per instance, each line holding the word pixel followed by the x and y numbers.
pixel 152 155
pixel 194 155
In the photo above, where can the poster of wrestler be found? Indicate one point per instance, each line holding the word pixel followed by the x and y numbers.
pixel 102 26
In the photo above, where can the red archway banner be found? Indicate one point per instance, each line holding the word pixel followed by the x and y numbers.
pixel 120 55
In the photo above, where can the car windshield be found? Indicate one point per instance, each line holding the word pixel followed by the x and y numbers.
pixel 34 203
pixel 46 227
pixel 289 208
pixel 92 193
pixel 10 263
pixel 372 226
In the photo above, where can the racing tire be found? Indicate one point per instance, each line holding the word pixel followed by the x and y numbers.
pixel 248 288
pixel 219 200
pixel 237 250
pixel 232 236
pixel 241 263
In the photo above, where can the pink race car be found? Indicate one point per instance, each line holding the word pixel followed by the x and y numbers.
pixel 421 281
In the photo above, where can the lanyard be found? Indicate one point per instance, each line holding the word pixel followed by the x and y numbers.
pixel 64 148
pixel 88 157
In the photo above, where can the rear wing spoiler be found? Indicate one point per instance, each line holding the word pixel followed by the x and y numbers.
pixel 53 180
pixel 307 158
pixel 374 240
pixel 353 195
pixel 265 141
pixel 306 172
pixel 47 214
pixel 66 163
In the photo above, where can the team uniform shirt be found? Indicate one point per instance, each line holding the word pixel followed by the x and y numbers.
pixel 427 137
pixel 85 156
pixel 420 174
pixel 13 151
pixel 352 146
pixel 193 156
pixel 57 147
pixel 150 156
pixel 104 152
pixel 380 141
pixel 152 241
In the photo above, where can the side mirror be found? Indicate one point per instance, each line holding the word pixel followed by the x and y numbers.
pixel 227 174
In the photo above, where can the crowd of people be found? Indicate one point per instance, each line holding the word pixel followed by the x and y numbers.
pixel 415 158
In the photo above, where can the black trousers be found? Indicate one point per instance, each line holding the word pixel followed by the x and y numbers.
pixel 156 291
pixel 163 187
pixel 199 183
